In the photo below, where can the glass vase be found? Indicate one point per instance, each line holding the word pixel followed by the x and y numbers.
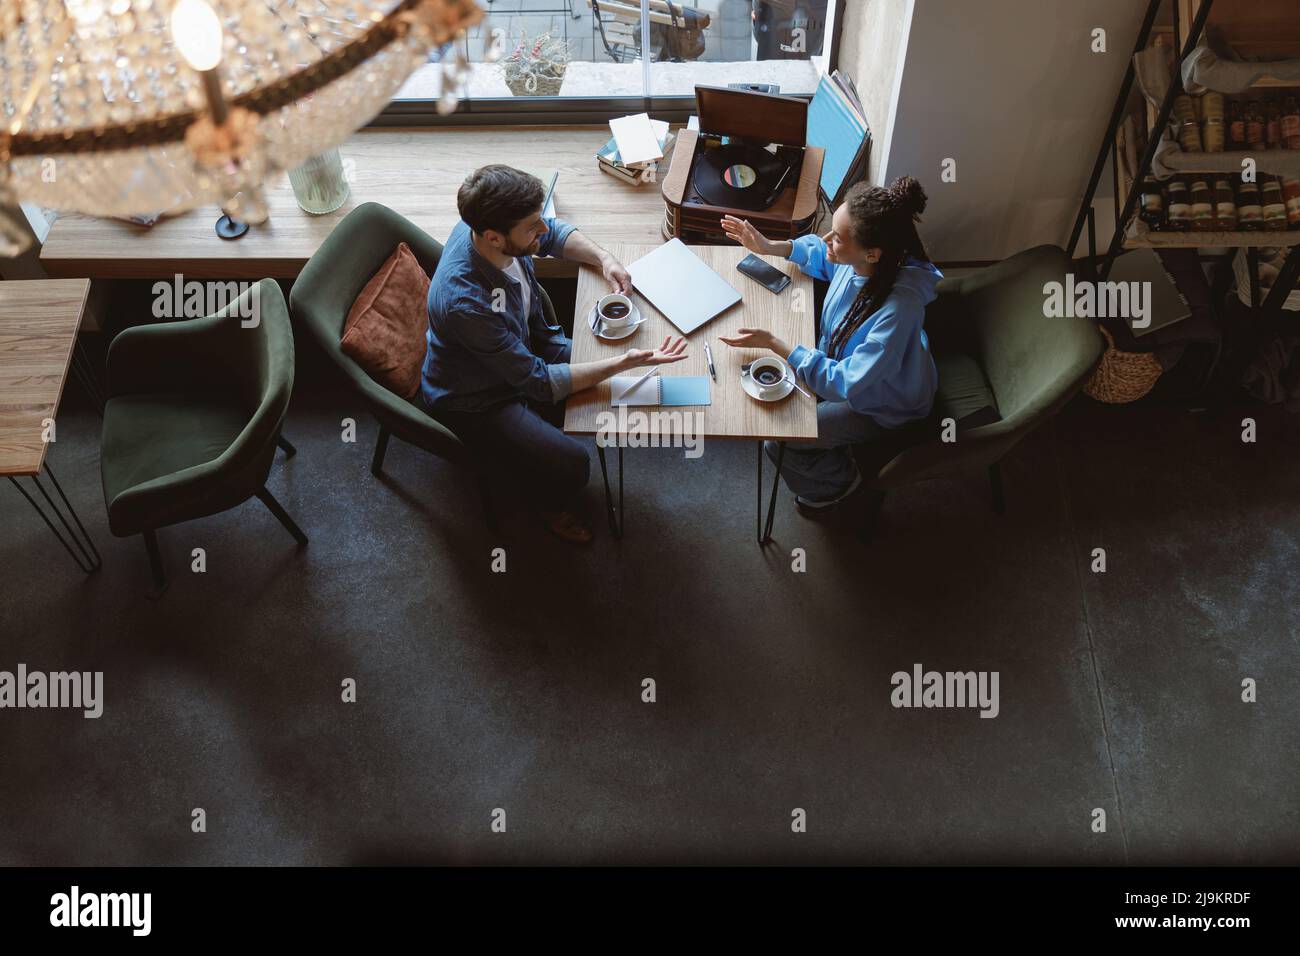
pixel 318 184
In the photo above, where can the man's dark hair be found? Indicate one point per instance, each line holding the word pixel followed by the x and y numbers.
pixel 497 197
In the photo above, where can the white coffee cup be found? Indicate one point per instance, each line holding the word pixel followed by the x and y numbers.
pixel 615 299
pixel 767 374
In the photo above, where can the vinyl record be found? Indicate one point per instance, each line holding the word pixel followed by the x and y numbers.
pixel 740 175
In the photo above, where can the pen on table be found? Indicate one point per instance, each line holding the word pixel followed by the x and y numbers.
pixel 708 357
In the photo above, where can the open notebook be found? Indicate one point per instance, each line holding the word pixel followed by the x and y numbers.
pixel 661 390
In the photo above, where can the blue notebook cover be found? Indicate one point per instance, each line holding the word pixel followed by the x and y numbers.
pixel 661 390
pixel 685 390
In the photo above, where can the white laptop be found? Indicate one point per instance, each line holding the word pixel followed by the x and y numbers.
pixel 678 283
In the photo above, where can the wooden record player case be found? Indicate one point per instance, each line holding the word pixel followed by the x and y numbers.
pixel 757 118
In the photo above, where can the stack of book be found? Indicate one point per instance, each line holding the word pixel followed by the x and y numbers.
pixel 609 160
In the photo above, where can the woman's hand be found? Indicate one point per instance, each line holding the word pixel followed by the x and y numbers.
pixel 743 232
pixel 757 339
pixel 669 351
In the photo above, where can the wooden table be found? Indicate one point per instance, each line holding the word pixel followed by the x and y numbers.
pixel 38 329
pixel 415 172
pixel 733 414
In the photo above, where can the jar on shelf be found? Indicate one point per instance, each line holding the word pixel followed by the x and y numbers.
pixel 1256 136
pixel 1179 205
pixel 1202 205
pixel 1250 214
pixel 1291 195
pixel 1273 203
pixel 1212 131
pixel 1153 203
pixel 1236 123
pixel 1225 206
pixel 1188 124
pixel 1291 123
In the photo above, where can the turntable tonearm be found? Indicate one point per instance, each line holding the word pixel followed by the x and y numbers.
pixel 749 158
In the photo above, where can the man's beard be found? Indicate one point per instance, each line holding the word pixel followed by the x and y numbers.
pixel 515 251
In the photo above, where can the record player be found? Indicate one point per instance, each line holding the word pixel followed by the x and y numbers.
pixel 749 159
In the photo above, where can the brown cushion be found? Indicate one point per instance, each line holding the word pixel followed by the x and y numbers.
pixel 384 331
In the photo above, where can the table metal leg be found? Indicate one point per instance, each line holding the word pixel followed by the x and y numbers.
pixel 765 531
pixel 615 514
pixel 85 554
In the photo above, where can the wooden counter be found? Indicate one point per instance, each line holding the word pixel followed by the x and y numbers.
pixel 416 172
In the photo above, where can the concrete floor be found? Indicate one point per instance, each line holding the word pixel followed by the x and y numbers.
pixel 522 690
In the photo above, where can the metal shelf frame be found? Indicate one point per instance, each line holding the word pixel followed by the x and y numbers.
pixel 1101 265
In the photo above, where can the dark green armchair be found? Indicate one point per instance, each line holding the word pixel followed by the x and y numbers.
pixel 320 300
pixel 193 417
pixel 989 334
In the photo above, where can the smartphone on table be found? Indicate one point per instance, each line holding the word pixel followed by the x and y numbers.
pixel 769 277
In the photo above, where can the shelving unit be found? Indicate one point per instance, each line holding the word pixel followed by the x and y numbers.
pixel 1259 27
pixel 1144 238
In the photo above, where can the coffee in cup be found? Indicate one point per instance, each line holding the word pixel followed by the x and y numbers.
pixel 767 373
pixel 616 311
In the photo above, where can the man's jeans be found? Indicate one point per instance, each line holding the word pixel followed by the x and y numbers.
pixel 522 443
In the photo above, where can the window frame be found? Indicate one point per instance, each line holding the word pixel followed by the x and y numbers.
pixel 567 110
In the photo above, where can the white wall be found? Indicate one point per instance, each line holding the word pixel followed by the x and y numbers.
pixel 871 47
pixel 1011 90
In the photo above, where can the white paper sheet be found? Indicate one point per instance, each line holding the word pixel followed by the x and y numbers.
pixel 636 138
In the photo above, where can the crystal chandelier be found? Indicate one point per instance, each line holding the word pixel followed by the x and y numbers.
pixel 125 107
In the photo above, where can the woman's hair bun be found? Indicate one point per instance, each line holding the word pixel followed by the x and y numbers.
pixel 906 193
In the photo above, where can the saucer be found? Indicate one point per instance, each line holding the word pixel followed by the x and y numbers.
pixel 612 336
pixel 783 390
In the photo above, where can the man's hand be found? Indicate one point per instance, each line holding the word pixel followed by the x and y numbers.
pixel 757 339
pixel 614 273
pixel 743 232
pixel 670 351
pixel 586 374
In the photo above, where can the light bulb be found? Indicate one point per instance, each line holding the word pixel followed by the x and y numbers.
pixel 197 34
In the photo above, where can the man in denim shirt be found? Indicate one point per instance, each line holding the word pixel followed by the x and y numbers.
pixel 495 372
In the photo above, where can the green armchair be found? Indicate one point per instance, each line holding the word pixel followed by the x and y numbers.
pixel 193 418
pixel 989 334
pixel 320 300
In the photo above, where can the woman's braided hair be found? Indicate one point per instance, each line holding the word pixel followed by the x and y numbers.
pixel 885 219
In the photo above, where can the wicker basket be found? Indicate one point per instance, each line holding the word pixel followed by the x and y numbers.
pixel 542 85
pixel 1122 377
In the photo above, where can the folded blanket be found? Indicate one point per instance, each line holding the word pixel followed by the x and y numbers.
pixel 1210 69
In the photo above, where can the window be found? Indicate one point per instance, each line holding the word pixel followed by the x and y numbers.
pixel 558 58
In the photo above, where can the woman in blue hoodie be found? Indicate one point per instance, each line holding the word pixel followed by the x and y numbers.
pixel 871 370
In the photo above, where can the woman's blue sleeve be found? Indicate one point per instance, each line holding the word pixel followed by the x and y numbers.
pixel 877 357
pixel 809 254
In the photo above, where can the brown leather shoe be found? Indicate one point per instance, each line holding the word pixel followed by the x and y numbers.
pixel 567 526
